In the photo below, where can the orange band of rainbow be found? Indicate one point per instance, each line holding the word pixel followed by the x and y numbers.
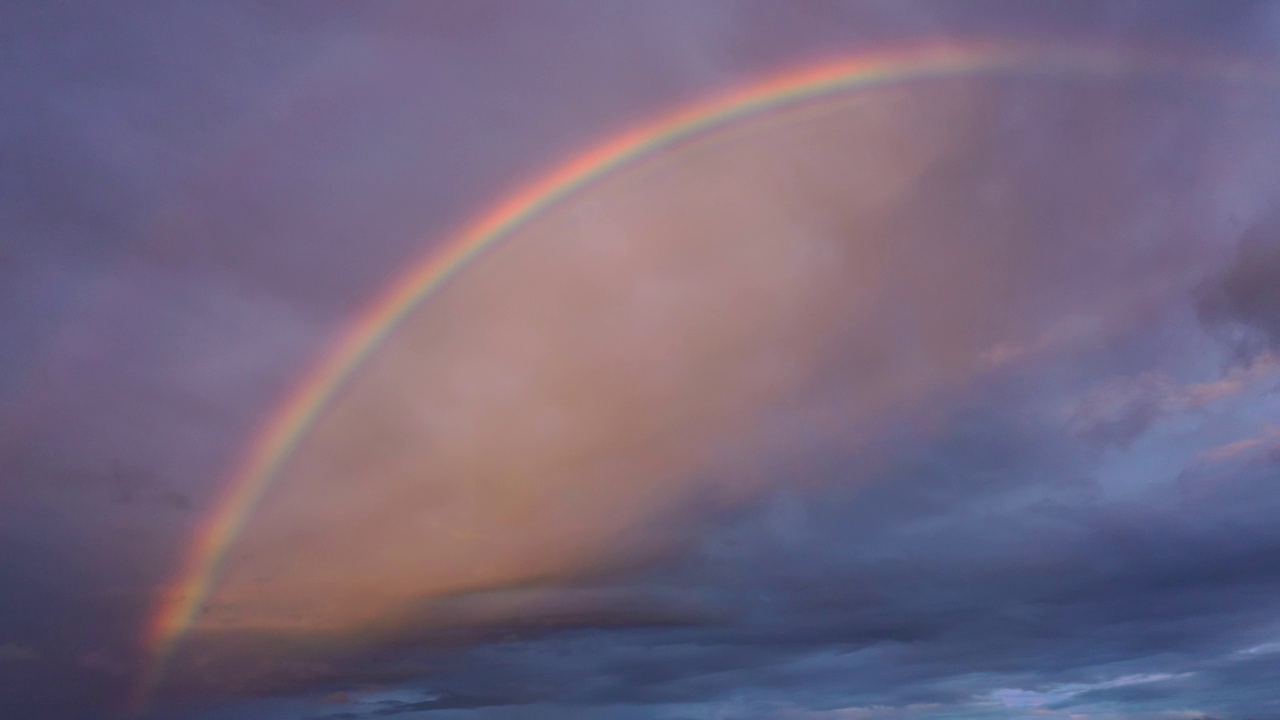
pixel 276 440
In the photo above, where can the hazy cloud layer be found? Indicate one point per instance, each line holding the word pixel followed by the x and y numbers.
pixel 909 496
pixel 983 424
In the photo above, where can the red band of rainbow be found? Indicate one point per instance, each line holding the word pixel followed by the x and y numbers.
pixel 281 433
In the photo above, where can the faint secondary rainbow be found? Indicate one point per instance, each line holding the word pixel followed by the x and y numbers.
pixel 287 425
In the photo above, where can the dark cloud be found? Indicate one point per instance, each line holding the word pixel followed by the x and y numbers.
pixel 12 652
pixel 1043 596
pixel 193 198
pixel 1247 293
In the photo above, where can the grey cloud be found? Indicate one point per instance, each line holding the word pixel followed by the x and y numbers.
pixel 854 612
pixel 194 196
pixel 13 652
pixel 1248 292
pixel 983 554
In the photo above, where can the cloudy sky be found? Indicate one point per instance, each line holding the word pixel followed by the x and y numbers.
pixel 951 397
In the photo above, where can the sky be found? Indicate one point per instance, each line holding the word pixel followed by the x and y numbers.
pixel 944 397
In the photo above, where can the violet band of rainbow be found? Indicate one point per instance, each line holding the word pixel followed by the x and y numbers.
pixel 276 439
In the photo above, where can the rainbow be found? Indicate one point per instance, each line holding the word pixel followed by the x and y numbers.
pixel 279 436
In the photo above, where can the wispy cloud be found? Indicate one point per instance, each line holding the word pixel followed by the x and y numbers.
pixel 12 652
pixel 1023 698
pixel 1268 439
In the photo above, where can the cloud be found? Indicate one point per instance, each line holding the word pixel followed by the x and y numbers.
pixel 12 652
pixel 1269 439
pixel 1056 695
pixel 719 427
pixel 868 600
pixel 1120 410
pixel 105 661
pixel 1263 649
pixel 766 430
pixel 559 419
pixel 1247 292
pixel 868 603
pixel 876 712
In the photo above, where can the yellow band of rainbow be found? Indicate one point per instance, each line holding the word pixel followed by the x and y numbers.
pixel 288 424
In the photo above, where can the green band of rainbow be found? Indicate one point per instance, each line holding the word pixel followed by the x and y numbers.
pixel 290 422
